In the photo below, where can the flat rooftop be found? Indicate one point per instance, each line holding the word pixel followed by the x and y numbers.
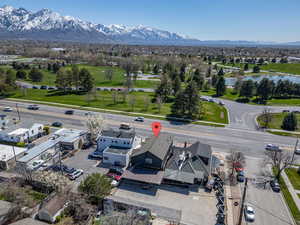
pixel 117 134
pixel 7 153
pixel 119 151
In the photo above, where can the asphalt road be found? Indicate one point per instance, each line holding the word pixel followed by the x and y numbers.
pixel 251 142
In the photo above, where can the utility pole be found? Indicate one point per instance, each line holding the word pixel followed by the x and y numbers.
pixel 295 150
pixel 17 107
pixel 242 203
pixel 13 148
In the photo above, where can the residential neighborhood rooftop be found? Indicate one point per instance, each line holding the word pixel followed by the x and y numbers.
pixel 115 150
pixel 24 125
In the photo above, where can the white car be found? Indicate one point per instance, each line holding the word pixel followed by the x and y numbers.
pixel 77 173
pixel 272 147
pixel 249 213
pixel 115 183
pixel 36 164
pixel 140 119
pixel 7 109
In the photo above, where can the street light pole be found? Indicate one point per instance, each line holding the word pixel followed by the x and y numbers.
pixel 295 150
pixel 17 107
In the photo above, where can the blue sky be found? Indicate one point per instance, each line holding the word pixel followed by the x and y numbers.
pixel 263 20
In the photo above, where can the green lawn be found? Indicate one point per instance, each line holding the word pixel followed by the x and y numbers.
pixel 284 133
pixel 289 200
pixel 98 73
pixel 294 177
pixel 293 68
pixel 104 100
pixel 277 119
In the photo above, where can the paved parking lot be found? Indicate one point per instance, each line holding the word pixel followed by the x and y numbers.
pixel 81 161
pixel 192 204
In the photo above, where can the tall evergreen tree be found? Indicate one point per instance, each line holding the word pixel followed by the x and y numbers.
pixel 247 89
pixel 265 89
pixel 256 69
pixel 35 75
pixel 289 122
pixel 221 72
pixel 214 80
pixel 164 89
pixel 192 100
pixel 198 78
pixel 220 86
pixel 21 74
pixel 86 80
pixel 182 72
pixel 176 85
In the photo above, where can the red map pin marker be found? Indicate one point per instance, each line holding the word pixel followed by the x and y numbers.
pixel 156 128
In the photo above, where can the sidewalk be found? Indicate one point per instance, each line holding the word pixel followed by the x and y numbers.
pixel 233 195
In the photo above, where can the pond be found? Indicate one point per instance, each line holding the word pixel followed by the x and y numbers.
pixel 230 81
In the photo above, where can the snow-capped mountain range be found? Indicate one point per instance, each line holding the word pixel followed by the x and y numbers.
pixel 46 24
pixel 22 24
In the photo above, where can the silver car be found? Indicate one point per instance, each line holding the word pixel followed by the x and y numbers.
pixel 249 213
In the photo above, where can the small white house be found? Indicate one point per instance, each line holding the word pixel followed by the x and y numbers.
pixel 116 156
pixel 21 131
pixel 9 155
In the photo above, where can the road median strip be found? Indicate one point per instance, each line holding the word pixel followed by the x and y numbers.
pixel 151 116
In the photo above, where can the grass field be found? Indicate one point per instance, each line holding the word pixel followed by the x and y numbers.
pixel 293 68
pixel 284 133
pixel 294 177
pixel 104 100
pixel 98 72
pixel 277 119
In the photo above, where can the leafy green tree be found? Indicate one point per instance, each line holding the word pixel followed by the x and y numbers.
pixel 10 78
pixel 247 88
pixel 156 69
pixel 86 80
pixel 220 86
pixel 182 72
pixel 221 72
pixel 63 81
pixel 75 76
pixel 265 89
pixel 289 122
pixel 96 186
pixel 246 67
pixel 179 106
pixel 256 69
pixel 35 75
pixel 164 89
pixel 21 74
pixel 176 85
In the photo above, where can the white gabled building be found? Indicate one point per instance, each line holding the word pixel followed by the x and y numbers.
pixel 117 146
pixel 20 131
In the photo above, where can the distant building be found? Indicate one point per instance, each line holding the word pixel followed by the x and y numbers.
pixel 23 131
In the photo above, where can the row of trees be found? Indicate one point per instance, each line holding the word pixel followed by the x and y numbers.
pixel 7 81
pixel 80 78
pixel 266 89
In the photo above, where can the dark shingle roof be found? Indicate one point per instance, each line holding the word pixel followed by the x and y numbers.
pixel 117 134
pixel 200 149
pixel 158 146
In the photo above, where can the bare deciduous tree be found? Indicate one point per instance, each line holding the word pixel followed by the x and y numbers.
pixel 159 103
pixel 279 160
pixel 266 117
pixel 132 102
pixel 114 95
pixel 95 124
pixel 109 73
pixel 235 159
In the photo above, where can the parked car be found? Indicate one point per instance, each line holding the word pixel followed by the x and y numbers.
pixel 35 87
pixel 275 185
pixel 211 100
pixel 240 177
pixel 57 124
pixel 115 173
pixel 43 87
pixel 36 164
pixel 125 126
pixel 140 119
pixel 204 99
pixel 98 215
pixel 77 173
pixel 221 103
pixel 249 213
pixel 96 155
pixel 7 109
pixel 297 151
pixel 87 145
pixel 69 112
pixel 272 147
pixel 238 167
pixel 285 111
pixel 33 107
pixel 296 111
pixel 51 88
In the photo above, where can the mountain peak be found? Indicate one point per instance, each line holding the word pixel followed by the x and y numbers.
pixel 7 8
